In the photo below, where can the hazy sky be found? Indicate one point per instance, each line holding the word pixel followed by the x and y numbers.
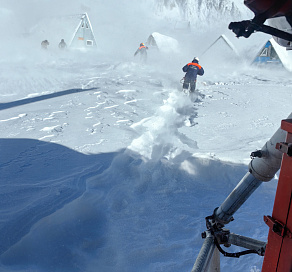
pixel 24 14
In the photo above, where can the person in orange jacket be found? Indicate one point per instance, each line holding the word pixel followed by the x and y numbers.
pixel 142 50
pixel 192 69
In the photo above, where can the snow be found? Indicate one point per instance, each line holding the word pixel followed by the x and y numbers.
pixel 284 55
pixel 111 176
pixel 102 170
pixel 165 43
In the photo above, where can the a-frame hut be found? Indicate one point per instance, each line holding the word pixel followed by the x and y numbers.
pixel 220 50
pixel 182 25
pixel 83 36
pixel 274 54
pixel 162 43
pixel 268 54
pixel 76 30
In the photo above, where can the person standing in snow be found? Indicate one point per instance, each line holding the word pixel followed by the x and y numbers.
pixel 62 44
pixel 192 69
pixel 45 44
pixel 142 50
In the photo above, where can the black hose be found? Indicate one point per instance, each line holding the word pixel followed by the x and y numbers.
pixel 235 254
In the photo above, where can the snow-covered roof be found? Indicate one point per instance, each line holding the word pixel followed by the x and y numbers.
pixel 280 55
pixel 284 55
pixel 164 43
pixel 220 51
pixel 222 44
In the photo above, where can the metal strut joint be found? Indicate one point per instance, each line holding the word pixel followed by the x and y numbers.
pixel 223 236
pixel 247 27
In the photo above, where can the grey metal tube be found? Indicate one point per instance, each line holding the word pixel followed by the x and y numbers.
pixel 266 167
pixel 237 197
pixel 260 169
pixel 206 253
pixel 247 242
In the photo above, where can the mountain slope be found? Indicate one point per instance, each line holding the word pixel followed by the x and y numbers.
pixel 207 13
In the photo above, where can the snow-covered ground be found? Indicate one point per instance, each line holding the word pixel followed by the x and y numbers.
pixel 101 170
pixel 105 165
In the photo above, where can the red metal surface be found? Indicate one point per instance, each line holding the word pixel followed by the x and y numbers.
pixel 261 6
pixel 278 256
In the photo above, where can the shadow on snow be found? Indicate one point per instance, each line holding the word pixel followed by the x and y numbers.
pixel 60 208
pixel 8 105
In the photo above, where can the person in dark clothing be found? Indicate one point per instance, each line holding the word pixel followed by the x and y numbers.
pixel 142 50
pixel 62 44
pixel 192 69
pixel 45 44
